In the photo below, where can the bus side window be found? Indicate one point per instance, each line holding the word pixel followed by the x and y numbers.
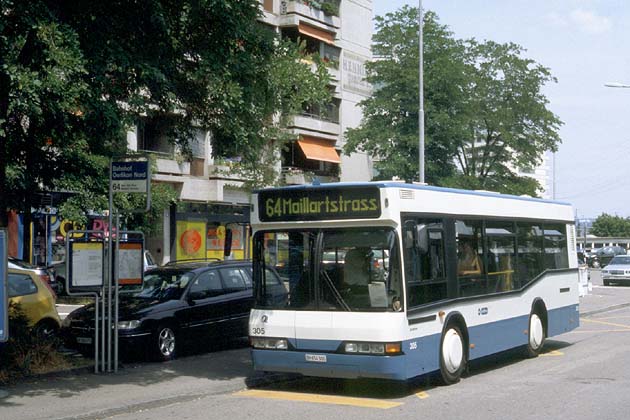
pixel 471 264
pixel 424 262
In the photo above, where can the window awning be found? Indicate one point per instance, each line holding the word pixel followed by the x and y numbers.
pixel 316 33
pixel 318 149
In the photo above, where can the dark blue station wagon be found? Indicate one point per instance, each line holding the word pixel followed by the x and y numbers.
pixel 178 303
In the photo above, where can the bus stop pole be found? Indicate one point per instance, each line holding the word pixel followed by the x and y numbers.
pixel 110 259
pixel 116 267
pixel 94 294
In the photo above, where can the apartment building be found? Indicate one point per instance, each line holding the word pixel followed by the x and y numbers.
pixel 544 174
pixel 211 199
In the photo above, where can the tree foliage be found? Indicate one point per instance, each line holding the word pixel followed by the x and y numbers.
pixel 389 130
pixel 607 225
pixel 485 114
pixel 76 76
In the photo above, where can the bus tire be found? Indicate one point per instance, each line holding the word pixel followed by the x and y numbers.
pixel 535 335
pixel 452 354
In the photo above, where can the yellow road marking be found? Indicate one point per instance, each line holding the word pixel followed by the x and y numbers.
pixel 612 324
pixel 320 399
pixel 616 317
pixel 422 395
pixel 552 353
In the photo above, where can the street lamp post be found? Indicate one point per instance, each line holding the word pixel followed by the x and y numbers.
pixel 421 93
pixel 617 85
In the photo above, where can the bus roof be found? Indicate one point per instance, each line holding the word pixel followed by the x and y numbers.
pixel 395 184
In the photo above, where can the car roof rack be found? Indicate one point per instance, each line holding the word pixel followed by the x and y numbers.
pixel 192 261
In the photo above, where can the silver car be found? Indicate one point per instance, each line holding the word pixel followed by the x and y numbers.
pixel 617 270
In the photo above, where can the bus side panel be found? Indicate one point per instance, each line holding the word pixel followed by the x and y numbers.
pixel 563 320
pixel 498 336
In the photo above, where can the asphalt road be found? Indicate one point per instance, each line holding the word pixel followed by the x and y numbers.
pixel 584 374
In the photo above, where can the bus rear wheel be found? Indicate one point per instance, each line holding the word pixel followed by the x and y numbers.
pixel 536 335
pixel 452 355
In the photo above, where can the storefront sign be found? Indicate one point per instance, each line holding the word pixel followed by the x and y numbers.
pixel 191 240
pixel 354 74
pixel 319 204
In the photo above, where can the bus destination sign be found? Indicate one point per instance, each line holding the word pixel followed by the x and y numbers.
pixel 319 204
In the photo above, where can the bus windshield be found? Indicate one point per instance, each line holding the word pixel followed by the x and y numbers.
pixel 344 269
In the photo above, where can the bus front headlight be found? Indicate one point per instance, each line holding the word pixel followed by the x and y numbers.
pixel 372 348
pixel 269 343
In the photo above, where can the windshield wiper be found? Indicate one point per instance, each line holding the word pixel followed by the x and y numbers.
pixel 334 291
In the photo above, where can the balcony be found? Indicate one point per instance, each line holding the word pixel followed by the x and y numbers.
pixel 296 176
pixel 168 165
pixel 325 12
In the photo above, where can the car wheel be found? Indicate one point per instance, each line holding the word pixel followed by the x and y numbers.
pixel 164 343
pixel 452 355
pixel 606 283
pixel 536 335
pixel 45 329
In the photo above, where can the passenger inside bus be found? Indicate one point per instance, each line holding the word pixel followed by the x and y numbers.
pixel 469 263
pixel 355 268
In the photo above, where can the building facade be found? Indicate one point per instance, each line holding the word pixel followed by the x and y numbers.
pixel 543 173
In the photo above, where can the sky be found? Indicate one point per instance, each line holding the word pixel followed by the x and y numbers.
pixel 585 43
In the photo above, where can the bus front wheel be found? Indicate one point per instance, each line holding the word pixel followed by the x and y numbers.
pixel 452 355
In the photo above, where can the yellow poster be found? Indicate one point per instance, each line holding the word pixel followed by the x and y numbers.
pixel 191 240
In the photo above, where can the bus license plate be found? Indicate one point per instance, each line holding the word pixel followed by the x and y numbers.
pixel 84 340
pixel 319 358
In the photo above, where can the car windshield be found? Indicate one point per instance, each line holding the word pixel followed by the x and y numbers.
pixel 345 269
pixel 620 260
pixel 164 284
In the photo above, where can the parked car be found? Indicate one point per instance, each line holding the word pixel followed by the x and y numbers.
pixel 604 255
pixel 617 270
pixel 45 274
pixel 177 303
pixel 36 299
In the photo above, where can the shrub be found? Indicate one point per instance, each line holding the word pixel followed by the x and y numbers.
pixel 330 9
pixel 25 353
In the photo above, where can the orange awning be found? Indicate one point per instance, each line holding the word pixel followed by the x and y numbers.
pixel 316 33
pixel 319 149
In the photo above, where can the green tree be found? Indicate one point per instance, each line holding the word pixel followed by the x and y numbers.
pixel 75 76
pixel 41 88
pixel 389 130
pixel 485 113
pixel 607 225
pixel 509 125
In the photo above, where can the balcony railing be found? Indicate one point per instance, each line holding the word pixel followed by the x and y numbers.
pixel 329 7
pixel 328 112
pixel 297 176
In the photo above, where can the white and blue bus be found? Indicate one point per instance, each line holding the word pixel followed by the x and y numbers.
pixel 393 280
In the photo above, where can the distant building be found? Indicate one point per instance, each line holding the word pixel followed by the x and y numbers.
pixel 542 173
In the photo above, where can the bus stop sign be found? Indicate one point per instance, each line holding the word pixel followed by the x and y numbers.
pixel 130 176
